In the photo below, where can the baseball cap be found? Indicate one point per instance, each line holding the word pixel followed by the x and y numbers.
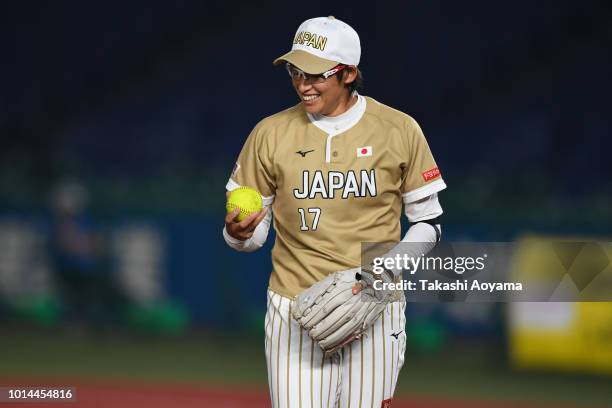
pixel 321 43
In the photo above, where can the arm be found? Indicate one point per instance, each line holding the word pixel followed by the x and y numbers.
pixel 424 232
pixel 250 236
pixel 424 217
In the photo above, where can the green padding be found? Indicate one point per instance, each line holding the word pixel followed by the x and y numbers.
pixel 426 336
pixel 42 310
pixel 159 318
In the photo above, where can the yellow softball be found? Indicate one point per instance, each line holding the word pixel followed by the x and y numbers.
pixel 246 199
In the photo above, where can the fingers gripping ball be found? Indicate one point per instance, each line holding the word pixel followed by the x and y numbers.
pixel 246 199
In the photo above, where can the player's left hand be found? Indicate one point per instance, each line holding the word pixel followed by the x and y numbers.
pixel 365 283
pixel 333 314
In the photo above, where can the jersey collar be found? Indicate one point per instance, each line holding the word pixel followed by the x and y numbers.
pixel 342 122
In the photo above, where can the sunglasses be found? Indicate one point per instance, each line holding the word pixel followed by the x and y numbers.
pixel 296 74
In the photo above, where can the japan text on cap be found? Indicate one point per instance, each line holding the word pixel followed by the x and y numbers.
pixel 322 43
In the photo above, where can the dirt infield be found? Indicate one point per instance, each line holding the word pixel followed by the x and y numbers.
pixel 124 395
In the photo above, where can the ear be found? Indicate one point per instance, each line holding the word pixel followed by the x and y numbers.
pixel 350 75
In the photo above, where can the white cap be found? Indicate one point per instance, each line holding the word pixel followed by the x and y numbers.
pixel 322 43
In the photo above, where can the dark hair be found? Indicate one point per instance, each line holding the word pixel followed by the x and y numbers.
pixel 356 84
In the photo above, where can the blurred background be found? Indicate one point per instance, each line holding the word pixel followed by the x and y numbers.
pixel 120 123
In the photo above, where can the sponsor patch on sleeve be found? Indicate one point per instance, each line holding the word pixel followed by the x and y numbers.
pixel 235 169
pixel 431 174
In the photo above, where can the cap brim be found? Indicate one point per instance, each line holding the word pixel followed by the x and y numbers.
pixel 311 64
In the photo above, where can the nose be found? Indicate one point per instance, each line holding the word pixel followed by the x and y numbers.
pixel 303 85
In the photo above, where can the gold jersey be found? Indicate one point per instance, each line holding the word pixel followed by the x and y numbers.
pixel 330 192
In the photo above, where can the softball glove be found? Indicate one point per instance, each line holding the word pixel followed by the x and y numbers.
pixel 333 316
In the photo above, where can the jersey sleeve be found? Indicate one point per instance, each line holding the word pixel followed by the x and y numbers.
pixel 420 174
pixel 254 167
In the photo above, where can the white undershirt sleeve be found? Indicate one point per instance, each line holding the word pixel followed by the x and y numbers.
pixel 426 208
pixel 256 241
pixel 422 235
pixel 422 232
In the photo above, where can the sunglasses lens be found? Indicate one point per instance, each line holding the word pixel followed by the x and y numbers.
pixel 297 74
pixel 294 73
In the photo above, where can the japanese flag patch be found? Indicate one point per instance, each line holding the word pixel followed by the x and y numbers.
pixel 365 151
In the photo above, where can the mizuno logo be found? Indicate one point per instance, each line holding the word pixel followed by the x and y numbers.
pixel 304 153
pixel 396 335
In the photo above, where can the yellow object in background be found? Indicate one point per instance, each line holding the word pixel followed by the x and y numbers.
pixel 562 336
pixel 246 199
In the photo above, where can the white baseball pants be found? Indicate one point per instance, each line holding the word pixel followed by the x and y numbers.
pixel 363 374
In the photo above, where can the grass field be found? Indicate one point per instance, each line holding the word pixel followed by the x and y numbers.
pixel 139 371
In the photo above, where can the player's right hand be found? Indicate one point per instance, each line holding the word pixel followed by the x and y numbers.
pixel 244 229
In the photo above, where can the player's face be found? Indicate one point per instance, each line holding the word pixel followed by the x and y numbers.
pixel 330 97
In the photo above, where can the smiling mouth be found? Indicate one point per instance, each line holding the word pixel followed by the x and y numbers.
pixel 310 98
